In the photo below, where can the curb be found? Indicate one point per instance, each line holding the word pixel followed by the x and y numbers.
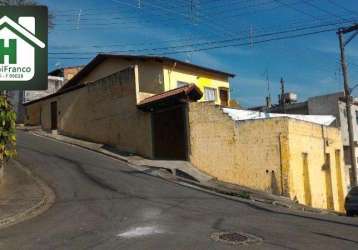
pixel 101 151
pixel 46 202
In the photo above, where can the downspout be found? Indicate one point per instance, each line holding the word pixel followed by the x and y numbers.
pixel 281 168
pixel 136 82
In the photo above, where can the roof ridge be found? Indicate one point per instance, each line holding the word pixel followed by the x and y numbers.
pixel 22 30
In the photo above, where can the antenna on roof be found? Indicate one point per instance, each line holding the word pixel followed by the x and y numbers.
pixel 268 97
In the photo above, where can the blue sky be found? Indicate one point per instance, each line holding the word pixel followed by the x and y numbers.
pixel 308 64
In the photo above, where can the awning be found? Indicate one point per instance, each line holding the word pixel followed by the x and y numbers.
pixel 172 97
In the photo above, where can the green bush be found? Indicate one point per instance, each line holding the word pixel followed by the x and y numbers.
pixel 7 130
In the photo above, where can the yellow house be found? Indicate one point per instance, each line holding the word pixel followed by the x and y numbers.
pixel 157 74
pixel 214 85
pixel 104 103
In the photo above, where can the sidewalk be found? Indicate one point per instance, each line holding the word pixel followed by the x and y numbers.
pixel 22 195
pixel 182 172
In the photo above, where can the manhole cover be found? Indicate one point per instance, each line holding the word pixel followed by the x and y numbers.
pixel 236 238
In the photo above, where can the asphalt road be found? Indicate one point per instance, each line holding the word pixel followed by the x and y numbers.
pixel 102 203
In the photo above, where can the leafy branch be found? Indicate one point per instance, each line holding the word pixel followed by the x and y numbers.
pixel 7 130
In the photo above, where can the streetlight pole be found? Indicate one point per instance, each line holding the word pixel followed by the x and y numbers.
pixel 348 98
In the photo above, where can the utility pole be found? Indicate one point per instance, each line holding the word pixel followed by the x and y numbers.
pixel 348 96
pixel 283 95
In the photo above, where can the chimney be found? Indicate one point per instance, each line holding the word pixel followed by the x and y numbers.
pixel 28 23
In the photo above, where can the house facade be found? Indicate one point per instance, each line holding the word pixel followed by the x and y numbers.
pixel 107 102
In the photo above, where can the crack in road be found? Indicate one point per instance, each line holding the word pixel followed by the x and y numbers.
pixel 93 178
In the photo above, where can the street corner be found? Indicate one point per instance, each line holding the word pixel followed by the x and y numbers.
pixel 22 195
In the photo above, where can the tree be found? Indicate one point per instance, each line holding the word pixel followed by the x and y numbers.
pixel 24 3
pixel 7 132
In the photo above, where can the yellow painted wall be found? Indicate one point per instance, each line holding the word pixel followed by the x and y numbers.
pixel 173 74
pixel 247 155
pixel 266 154
pixel 316 141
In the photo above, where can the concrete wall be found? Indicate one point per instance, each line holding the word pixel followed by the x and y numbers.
pixel 325 105
pixel 248 154
pixel 103 112
pixel 267 154
pixel 33 114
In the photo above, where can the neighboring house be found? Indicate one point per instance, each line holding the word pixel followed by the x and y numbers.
pixel 331 104
pixel 66 72
pixel 56 79
pixel 131 104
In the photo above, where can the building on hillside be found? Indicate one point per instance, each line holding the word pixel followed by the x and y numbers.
pixel 159 74
pixel 104 102
pixel 331 104
pixel 134 104
pixel 56 79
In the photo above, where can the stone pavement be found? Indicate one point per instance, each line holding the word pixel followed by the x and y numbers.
pixel 22 195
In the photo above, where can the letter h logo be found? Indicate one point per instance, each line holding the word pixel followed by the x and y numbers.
pixel 9 51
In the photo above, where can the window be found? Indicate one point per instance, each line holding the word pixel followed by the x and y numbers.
pixel 357 117
pixel 181 84
pixel 209 94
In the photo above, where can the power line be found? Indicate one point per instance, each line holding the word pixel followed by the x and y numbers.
pixel 222 41
pixel 295 9
pixel 342 7
pixel 322 9
pixel 224 46
pixel 216 45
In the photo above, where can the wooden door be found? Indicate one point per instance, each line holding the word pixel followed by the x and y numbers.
pixel 53 115
pixel 169 134
pixel 224 97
